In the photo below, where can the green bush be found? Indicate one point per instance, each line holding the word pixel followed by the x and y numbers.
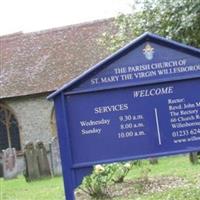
pixel 96 185
pixel 120 171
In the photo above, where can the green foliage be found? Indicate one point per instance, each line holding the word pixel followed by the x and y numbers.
pixel 121 170
pixel 175 19
pixel 96 185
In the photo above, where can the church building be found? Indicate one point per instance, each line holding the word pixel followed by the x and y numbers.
pixel 32 65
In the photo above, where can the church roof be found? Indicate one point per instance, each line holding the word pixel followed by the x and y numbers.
pixel 42 61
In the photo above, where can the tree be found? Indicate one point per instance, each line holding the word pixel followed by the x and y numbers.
pixel 175 19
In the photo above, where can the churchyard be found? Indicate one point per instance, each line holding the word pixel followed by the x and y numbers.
pixel 173 178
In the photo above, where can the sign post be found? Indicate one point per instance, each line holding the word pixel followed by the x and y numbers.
pixel 141 102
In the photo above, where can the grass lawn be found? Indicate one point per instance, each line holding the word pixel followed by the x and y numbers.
pixel 19 189
pixel 182 182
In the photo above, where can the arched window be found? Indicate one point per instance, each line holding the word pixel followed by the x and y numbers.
pixel 9 130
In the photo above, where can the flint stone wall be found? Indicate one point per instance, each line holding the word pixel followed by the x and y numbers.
pixel 34 117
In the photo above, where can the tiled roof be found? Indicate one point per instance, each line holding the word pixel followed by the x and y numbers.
pixel 42 61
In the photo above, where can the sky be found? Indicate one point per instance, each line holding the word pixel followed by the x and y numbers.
pixel 35 15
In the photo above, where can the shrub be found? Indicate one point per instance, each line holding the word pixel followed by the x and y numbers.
pixel 121 170
pixel 96 185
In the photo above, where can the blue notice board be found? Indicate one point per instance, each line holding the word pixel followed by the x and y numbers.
pixel 143 101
